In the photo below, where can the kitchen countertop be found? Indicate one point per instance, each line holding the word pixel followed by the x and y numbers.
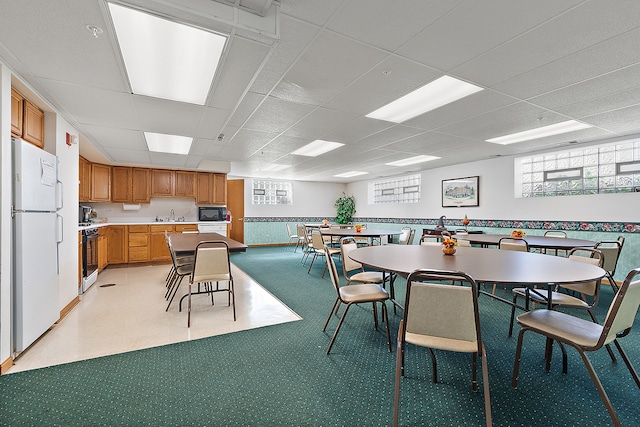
pixel 105 224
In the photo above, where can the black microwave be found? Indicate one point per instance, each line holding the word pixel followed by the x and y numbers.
pixel 212 213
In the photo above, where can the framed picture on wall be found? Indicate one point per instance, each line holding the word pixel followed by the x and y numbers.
pixel 460 192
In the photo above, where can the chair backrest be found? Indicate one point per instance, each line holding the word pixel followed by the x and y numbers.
pixel 611 251
pixel 288 230
pixel 333 273
pixel 348 244
pixel 403 238
pixel 623 309
pixel 301 230
pixel 171 252
pixel 412 235
pixel 555 233
pixel 511 244
pixel 429 240
pixel 211 263
pixel 317 240
pixel 434 307
pixel 590 256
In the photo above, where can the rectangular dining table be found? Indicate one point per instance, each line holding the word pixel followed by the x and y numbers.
pixel 187 242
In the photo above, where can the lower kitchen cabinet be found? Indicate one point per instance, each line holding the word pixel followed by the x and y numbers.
pixel 159 248
pixel 138 243
pixel 102 249
pixel 118 244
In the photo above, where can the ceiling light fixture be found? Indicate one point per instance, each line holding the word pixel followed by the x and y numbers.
pixel 163 143
pixel 439 92
pixel 317 147
pixel 164 59
pixel 95 31
pixel 350 174
pixel 412 160
pixel 541 132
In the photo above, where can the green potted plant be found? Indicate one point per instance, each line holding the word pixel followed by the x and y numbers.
pixel 346 207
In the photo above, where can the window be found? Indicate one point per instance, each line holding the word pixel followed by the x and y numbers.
pixel 607 168
pixel 404 189
pixel 266 192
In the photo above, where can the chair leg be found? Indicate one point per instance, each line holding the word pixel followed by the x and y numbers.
pixel 338 328
pixel 474 370
pixel 375 315
pixel 485 381
pixel 627 362
pixel 516 362
pixel 434 366
pixel 175 291
pixel 385 315
pixel 399 374
pixel 189 309
pixel 334 307
pixel 599 387
pixel 315 254
pixel 513 314
pixel 232 295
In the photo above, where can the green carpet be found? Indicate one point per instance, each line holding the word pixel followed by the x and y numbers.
pixel 280 375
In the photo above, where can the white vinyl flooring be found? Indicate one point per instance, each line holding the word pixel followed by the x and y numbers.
pixel 130 315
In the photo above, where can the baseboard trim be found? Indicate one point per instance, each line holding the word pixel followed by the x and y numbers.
pixel 4 366
pixel 68 308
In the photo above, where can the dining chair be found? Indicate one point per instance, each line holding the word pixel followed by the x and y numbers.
pixel 511 244
pixel 321 250
pixel 211 264
pixel 293 238
pixel 429 240
pixel 611 251
pixel 348 244
pixel 441 316
pixel 586 336
pixel 356 294
pixel 304 241
pixel 557 234
pixel 405 233
pixel 181 267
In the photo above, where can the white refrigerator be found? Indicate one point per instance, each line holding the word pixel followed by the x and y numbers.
pixel 37 230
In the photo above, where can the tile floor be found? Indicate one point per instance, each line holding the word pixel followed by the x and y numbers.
pixel 131 316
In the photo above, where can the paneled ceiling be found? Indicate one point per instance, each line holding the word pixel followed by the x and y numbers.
pixel 299 70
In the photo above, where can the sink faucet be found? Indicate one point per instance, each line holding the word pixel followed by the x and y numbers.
pixel 173 215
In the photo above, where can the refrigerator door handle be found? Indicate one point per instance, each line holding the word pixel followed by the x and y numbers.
pixel 59 194
pixel 60 228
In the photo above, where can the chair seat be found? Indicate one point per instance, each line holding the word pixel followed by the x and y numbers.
pixel 363 293
pixel 440 343
pixel 367 276
pixel 557 298
pixel 585 333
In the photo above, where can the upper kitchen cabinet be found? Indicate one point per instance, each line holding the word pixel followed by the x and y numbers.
pixel 100 183
pixel 211 188
pixel 185 184
pixel 162 183
pixel 17 110
pixel 130 185
pixel 84 189
pixel 27 120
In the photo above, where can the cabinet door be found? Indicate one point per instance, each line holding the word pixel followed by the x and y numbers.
pixel 100 183
pixel 159 249
pixel 121 184
pixel 203 194
pixel 162 183
pixel 84 190
pixel 33 126
pixel 219 195
pixel 117 244
pixel 185 184
pixel 141 185
pixel 17 110
pixel 102 250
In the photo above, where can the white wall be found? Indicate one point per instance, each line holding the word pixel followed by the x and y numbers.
pixel 160 207
pixel 310 199
pixel 497 199
pixel 5 213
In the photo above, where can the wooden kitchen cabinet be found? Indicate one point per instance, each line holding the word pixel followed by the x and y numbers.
pixel 186 227
pixel 100 183
pixel 159 248
pixel 33 125
pixel 211 188
pixel 17 111
pixel 138 243
pixel 103 249
pixel 117 244
pixel 162 183
pixel 79 260
pixel 185 184
pixel 84 189
pixel 121 184
pixel 140 185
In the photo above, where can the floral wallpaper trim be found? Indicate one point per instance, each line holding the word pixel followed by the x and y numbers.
pixel 613 227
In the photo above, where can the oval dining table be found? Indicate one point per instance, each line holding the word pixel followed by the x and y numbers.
pixel 370 233
pixel 483 264
pixel 540 242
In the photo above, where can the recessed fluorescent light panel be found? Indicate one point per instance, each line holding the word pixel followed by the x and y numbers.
pixel 556 129
pixel 412 160
pixel 439 92
pixel 173 144
pixel 350 174
pixel 317 147
pixel 165 59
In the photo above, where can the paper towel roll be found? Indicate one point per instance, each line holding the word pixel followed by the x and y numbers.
pixel 130 207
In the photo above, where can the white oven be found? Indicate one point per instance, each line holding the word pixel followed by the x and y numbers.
pixel 89 258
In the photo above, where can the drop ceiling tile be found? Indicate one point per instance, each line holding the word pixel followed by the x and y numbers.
pixel 388 136
pixel 474 28
pixel 165 159
pixel 384 24
pixel 116 137
pixel 284 144
pixel 311 10
pixel 250 139
pixel 211 122
pixel 358 129
pixel 126 156
pixel 612 102
pixel 319 122
pixel 164 116
pixel 249 103
pixel 329 64
pixel 566 34
pixel 277 115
